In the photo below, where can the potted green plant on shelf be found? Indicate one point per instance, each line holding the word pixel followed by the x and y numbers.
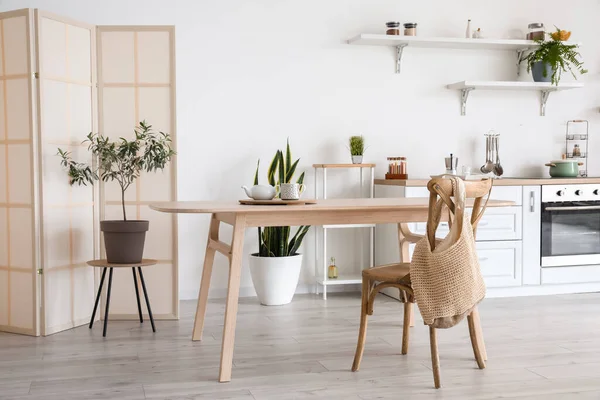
pixel 275 269
pixel 357 149
pixel 553 57
pixel 122 161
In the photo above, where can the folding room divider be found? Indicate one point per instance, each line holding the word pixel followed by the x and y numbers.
pixel 50 97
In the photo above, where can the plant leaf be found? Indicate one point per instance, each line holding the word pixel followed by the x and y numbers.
pixel 256 174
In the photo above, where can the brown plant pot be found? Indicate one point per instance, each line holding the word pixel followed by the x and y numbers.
pixel 124 240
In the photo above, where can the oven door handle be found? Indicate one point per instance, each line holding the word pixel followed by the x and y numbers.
pixel 572 208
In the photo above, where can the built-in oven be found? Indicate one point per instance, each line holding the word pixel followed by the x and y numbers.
pixel 570 225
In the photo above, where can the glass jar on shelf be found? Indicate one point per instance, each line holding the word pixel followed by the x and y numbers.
pixel 393 28
pixel 536 31
pixel 576 151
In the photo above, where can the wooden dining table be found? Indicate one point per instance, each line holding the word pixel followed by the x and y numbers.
pixel 240 217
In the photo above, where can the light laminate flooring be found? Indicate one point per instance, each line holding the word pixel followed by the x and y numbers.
pixel 538 347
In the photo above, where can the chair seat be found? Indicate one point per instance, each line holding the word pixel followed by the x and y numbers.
pixel 388 273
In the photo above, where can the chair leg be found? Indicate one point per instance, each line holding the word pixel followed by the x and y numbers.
pixel 479 333
pixel 98 298
pixel 362 333
pixel 475 340
pixel 408 310
pixel 137 295
pixel 435 359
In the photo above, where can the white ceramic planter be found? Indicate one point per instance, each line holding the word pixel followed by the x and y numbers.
pixel 275 278
pixel 357 159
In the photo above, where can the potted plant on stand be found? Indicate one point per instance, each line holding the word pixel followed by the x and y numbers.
pixel 357 149
pixel 275 269
pixel 121 161
pixel 553 57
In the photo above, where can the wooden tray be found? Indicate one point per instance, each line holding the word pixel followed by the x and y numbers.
pixel 277 202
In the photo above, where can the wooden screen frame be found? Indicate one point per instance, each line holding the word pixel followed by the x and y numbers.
pixel 39 14
pixel 35 330
pixel 173 131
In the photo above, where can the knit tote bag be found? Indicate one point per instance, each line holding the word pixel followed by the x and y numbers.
pixel 447 281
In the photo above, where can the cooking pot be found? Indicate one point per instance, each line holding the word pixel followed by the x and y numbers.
pixel 564 168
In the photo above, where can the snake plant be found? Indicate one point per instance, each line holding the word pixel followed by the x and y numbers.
pixel 274 241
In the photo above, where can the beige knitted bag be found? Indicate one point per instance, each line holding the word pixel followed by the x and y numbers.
pixel 447 281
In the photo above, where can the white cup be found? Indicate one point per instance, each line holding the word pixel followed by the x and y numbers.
pixel 290 191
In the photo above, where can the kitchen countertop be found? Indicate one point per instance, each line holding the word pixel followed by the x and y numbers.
pixel 497 182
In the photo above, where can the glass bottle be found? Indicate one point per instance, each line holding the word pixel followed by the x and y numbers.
pixel 332 271
pixel 536 31
pixel 576 151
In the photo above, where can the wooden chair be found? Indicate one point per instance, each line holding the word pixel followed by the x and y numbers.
pixel 397 275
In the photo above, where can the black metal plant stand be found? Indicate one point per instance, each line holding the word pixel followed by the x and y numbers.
pixel 108 266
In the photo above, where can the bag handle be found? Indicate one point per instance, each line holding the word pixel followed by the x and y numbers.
pixel 456 210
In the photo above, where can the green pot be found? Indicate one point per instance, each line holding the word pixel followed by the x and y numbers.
pixel 564 168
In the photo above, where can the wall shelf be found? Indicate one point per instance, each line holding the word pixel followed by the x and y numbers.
pixel 544 88
pixel 400 42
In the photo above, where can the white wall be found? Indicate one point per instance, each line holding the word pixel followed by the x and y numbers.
pixel 251 73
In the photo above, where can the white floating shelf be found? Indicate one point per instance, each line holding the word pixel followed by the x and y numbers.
pixel 442 43
pixel 545 88
pixel 508 85
pixel 346 279
pixel 400 42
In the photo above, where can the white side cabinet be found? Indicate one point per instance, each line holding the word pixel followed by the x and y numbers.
pixel 532 211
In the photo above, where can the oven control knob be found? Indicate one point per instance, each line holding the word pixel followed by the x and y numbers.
pixel 578 193
pixel 560 193
pixel 596 192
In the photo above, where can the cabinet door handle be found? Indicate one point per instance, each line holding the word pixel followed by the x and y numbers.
pixel 532 201
pixel 482 259
pixel 483 223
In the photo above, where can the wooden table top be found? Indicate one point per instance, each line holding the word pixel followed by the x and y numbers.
pixel 105 264
pixel 323 205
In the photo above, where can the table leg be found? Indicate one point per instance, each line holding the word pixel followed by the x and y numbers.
pixel 233 292
pixel 98 298
pixel 110 274
pixel 209 258
pixel 137 294
pixel 146 297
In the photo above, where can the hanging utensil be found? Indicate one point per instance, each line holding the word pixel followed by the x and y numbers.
pixel 498 170
pixel 489 165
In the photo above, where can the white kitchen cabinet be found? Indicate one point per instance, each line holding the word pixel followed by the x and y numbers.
pixel 502 223
pixel 509 193
pixel 532 209
pixel 501 263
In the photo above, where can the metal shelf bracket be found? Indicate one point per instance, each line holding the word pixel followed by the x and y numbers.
pixel 399 51
pixel 464 96
pixel 543 101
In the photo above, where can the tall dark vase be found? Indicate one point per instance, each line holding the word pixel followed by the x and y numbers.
pixel 538 69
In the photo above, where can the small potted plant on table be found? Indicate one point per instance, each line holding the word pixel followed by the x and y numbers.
pixel 121 161
pixel 553 57
pixel 357 149
pixel 275 269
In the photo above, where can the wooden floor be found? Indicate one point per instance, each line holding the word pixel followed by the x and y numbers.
pixel 538 347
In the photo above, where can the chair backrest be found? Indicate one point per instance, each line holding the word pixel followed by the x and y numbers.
pixel 443 188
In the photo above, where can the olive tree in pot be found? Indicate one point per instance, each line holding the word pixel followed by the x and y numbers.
pixel 553 57
pixel 121 161
pixel 275 269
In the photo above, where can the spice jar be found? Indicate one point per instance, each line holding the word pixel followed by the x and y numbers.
pixel 576 151
pixel 403 165
pixel 332 271
pixel 393 28
pixel 410 29
pixel 536 31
